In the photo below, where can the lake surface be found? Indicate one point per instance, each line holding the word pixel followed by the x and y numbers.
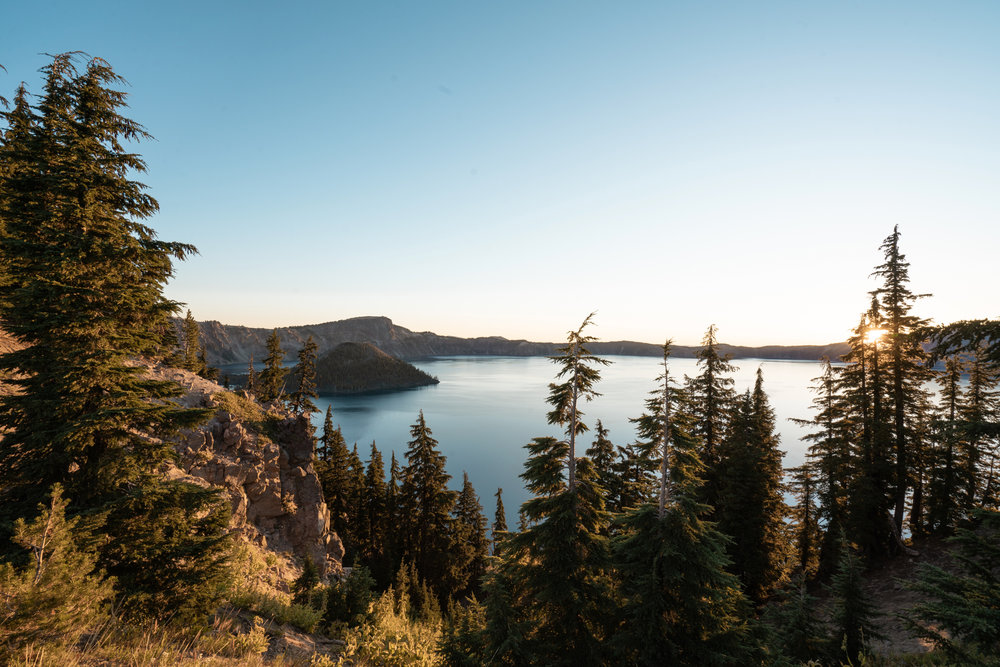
pixel 487 408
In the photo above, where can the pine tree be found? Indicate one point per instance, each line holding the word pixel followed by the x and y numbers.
pixel 305 372
pixel 794 624
pixel 750 507
pixel 499 522
pixel 375 528
pixel 271 380
pixel 854 614
pixel 980 416
pixel 251 378
pixel 323 445
pixel 712 396
pixel 307 580
pixel 192 347
pixel 906 365
pixel 428 503
pixel 83 288
pixel 805 520
pixel 602 453
pixel 831 460
pixel 558 566
pixel 59 593
pixel 960 611
pixel 680 604
pixel 577 365
pixel 472 545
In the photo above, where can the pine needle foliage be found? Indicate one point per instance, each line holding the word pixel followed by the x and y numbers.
pixel 680 605
pixel 83 293
pixel 578 370
pixel 59 593
pixel 961 611
pixel 271 381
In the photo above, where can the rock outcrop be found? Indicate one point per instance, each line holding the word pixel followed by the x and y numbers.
pixel 262 458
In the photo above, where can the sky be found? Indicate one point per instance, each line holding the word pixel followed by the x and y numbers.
pixel 506 168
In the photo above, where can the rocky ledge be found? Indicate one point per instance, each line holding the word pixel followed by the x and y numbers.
pixel 261 457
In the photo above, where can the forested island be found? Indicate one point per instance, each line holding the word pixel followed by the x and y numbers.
pixel 150 516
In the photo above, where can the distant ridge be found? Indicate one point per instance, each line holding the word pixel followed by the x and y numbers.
pixel 233 344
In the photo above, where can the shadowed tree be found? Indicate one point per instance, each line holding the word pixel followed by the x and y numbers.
pixel 305 373
pixel 271 381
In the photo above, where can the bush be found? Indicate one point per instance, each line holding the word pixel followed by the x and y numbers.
pixel 349 601
pixel 58 595
pixel 391 639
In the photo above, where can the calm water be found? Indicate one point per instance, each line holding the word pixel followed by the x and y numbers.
pixel 487 408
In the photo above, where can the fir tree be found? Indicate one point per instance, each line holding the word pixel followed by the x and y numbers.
pixel 192 347
pixel 830 460
pixel 307 580
pixel 558 566
pixel 428 503
pixel 471 543
pixel 960 612
pixel 577 366
pixel 305 372
pixel 374 532
pixel 251 378
pixel 794 624
pixel 82 291
pixel 680 605
pixel 750 507
pixel 805 520
pixel 943 489
pixel 602 453
pixel 499 521
pixel 906 365
pixel 271 380
pixel 59 593
pixel 712 396
pixel 854 614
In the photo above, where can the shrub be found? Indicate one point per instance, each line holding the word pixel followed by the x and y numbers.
pixel 58 595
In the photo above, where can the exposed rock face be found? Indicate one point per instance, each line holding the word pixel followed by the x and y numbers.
pixel 230 344
pixel 358 367
pixel 263 461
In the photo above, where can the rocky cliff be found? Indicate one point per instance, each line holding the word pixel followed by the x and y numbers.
pixel 230 344
pixel 262 458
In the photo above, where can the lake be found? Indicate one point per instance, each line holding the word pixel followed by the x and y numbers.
pixel 487 408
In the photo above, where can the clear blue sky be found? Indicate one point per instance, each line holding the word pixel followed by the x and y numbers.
pixel 505 168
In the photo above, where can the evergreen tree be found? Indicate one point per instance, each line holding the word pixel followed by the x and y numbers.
pixel 680 605
pixel 192 347
pixel 305 372
pixel 906 366
pixel 712 397
pixel 376 525
pixel 499 522
pixel 83 292
pixel 251 378
pixel 980 423
pixel 304 584
pixel 602 453
pixel 805 521
pixel 472 546
pixel 831 462
pixel 558 566
pixel 634 475
pixel 577 366
pixel 429 504
pixel 83 288
pixel 794 625
pixel 59 593
pixel 325 442
pixel 356 502
pixel 960 612
pixel 271 381
pixel 750 507
pixel 944 488
pixel 853 613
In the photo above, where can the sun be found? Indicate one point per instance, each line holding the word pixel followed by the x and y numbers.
pixel 874 335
